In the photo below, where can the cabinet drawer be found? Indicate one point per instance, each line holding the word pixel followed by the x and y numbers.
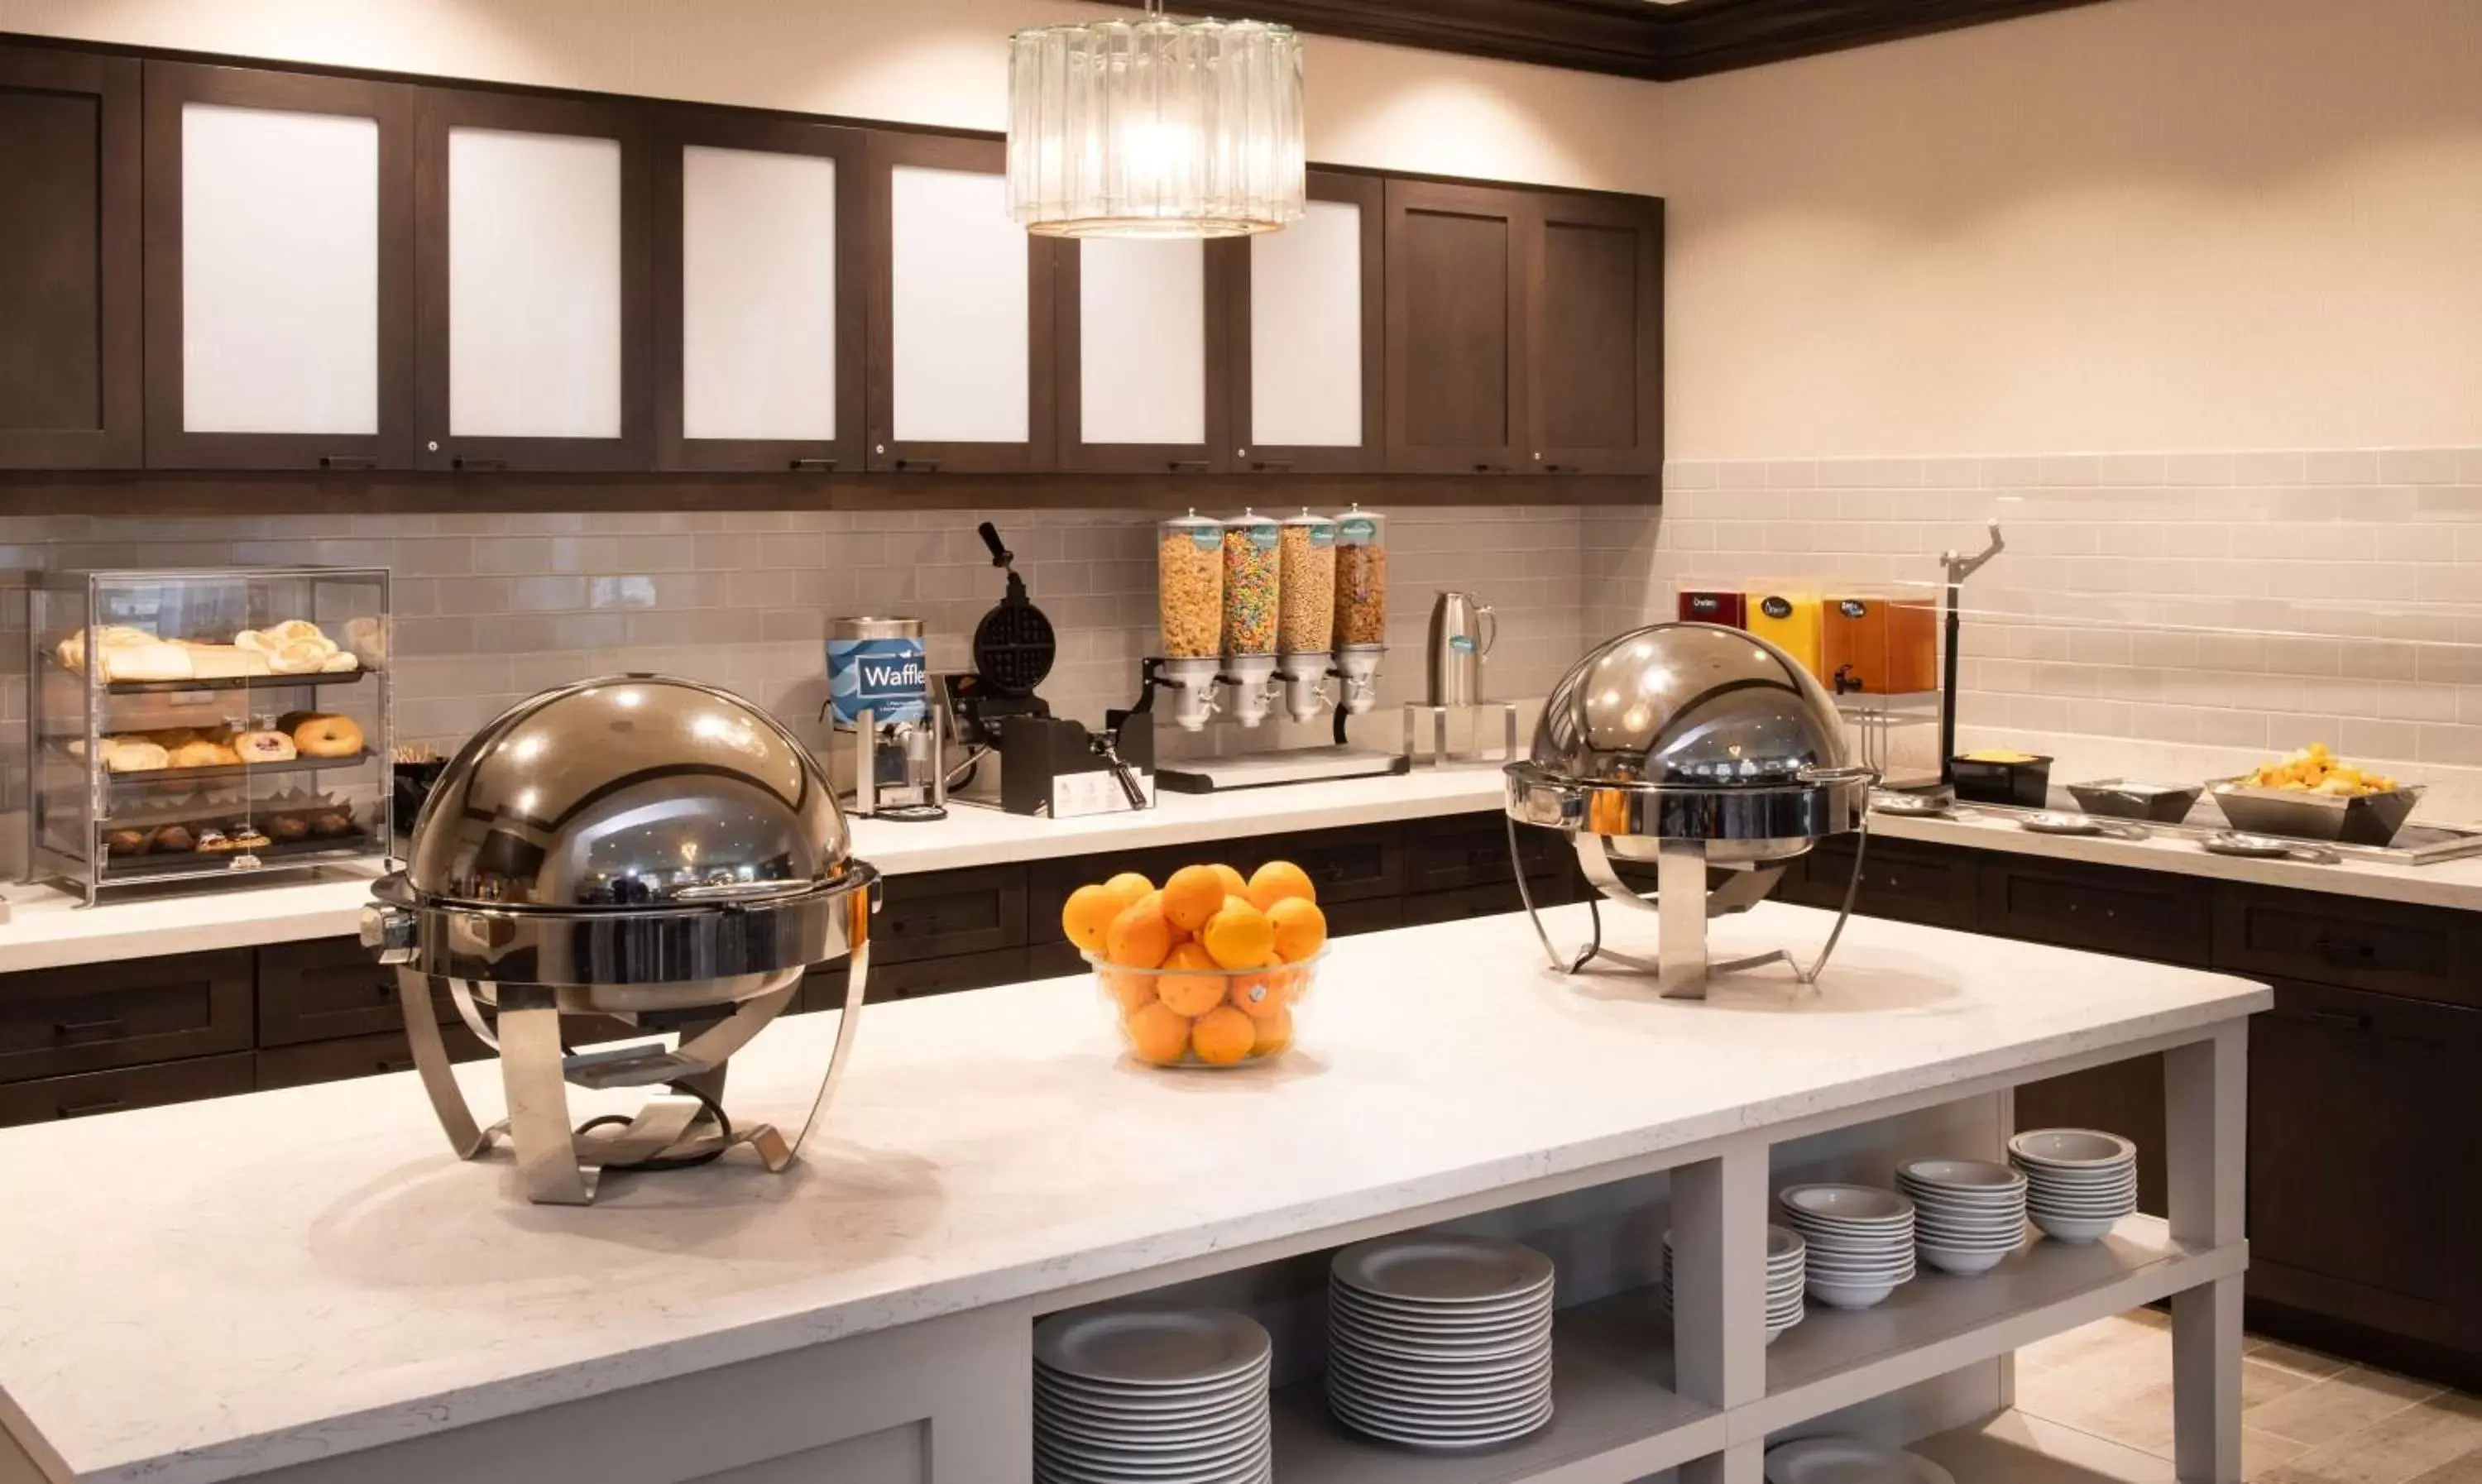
pixel 1486 901
pixel 2135 914
pixel 2353 941
pixel 1471 850
pixel 944 914
pixel 330 988
pixel 56 1021
pixel 1371 914
pixel 915 978
pixel 132 1087
pixel 1345 865
pixel 1900 879
pixel 355 1056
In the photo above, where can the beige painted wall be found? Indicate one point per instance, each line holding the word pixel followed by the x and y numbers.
pixel 914 60
pixel 2150 225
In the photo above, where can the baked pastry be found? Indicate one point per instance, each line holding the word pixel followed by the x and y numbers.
pixel 125 842
pixel 124 755
pixel 325 734
pixel 264 747
pixel 367 638
pixel 215 842
pixel 247 838
pixel 226 662
pixel 297 630
pixel 149 661
pixel 301 656
pixel 341 662
pixel 175 838
pixel 285 829
pixel 202 753
pixel 331 822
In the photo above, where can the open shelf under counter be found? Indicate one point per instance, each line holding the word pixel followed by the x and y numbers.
pixel 1615 1417
pixel 1939 1321
pixel 2014 1448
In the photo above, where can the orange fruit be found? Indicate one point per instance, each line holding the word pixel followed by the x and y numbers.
pixel 1192 895
pixel 1138 937
pixel 1234 883
pixel 1300 928
pixel 1128 886
pixel 1239 935
pixel 1223 1035
pixel 1260 996
pixel 1130 988
pixel 1275 1033
pixel 1277 879
pixel 1189 994
pixel 1087 917
pixel 1154 901
pixel 1156 1034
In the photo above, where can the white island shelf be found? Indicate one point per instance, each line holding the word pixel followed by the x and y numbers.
pixel 306 1285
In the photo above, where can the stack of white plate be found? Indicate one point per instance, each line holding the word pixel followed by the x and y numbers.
pixel 1163 1396
pixel 1785 1272
pixel 1439 1342
pixel 1861 1241
pixel 1968 1213
pixel 2080 1183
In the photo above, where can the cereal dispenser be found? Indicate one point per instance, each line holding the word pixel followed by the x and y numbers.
pixel 1306 616
pixel 1253 594
pixel 1189 604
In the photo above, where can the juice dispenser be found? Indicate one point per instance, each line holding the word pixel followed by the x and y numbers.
pixel 1707 607
pixel 1853 652
pixel 1789 618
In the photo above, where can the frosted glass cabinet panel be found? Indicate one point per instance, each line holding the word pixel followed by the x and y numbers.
pixel 533 233
pixel 1305 344
pixel 534 285
pixel 758 292
pixel 959 339
pixel 1309 317
pixel 1141 341
pixel 279 271
pixel 960 336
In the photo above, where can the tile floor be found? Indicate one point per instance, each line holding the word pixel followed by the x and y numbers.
pixel 2306 1418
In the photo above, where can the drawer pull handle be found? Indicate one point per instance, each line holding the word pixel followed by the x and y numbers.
pixel 811 465
pixel 1273 465
pixel 2331 949
pixel 389 1064
pixel 917 465
pixel 87 1109
pixel 478 465
pixel 346 462
pixel 2344 1017
pixel 91 1030
pixel 1190 466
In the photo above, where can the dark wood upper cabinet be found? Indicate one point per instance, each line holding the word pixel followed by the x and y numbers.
pixel 1145 369
pixel 533 227
pixel 70 392
pixel 1457 358
pixel 280 270
pixel 1307 310
pixel 759 286
pixel 1595 343
pixel 962 371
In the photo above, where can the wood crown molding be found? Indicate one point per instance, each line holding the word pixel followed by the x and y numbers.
pixel 1639 37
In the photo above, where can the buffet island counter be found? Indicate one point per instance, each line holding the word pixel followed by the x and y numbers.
pixel 308 1285
pixel 49 929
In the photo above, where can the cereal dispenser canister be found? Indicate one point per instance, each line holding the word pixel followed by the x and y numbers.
pixel 1252 595
pixel 1306 621
pixel 1189 601
pixel 1360 621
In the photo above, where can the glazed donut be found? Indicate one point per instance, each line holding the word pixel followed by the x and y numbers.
pixel 136 758
pixel 200 754
pixel 264 747
pixel 326 735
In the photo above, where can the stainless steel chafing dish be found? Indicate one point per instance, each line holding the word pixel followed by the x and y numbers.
pixel 638 847
pixel 1689 745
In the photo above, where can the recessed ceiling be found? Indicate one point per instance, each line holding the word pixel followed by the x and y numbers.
pixel 1663 40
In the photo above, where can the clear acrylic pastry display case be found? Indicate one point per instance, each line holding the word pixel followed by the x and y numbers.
pixel 209 725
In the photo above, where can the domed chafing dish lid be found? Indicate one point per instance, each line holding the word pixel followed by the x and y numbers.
pixel 629 792
pixel 1689 730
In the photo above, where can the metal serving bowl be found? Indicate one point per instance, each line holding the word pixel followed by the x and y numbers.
pixel 1691 731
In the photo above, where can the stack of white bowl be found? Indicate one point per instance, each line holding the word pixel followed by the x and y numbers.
pixel 2079 1181
pixel 1861 1241
pixel 1786 1273
pixel 1439 1342
pixel 1968 1213
pixel 1140 1396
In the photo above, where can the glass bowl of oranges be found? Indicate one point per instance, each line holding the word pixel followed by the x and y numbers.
pixel 1209 969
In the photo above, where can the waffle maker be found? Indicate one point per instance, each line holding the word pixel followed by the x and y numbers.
pixel 1048 765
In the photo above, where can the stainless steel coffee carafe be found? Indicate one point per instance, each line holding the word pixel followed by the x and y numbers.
pixel 1462 630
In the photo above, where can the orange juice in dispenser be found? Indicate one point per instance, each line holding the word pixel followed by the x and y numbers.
pixel 1789 618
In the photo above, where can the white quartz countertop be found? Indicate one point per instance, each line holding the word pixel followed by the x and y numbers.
pixel 197 1292
pixel 49 930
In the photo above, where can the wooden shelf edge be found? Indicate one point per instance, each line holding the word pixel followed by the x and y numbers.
pixel 2177 1269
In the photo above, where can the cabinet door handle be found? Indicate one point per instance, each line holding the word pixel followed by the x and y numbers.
pixel 1190 466
pixel 85 1109
pixel 2332 949
pixel 346 462
pixel 811 465
pixel 1490 468
pixel 478 466
pixel 917 465
pixel 106 1029
pixel 389 1064
pixel 1562 468
pixel 2344 1017
pixel 1273 465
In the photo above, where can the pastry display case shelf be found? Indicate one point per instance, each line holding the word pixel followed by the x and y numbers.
pixel 189 865
pixel 225 772
pixel 239 682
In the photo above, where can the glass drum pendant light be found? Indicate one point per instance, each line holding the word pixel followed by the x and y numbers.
pixel 1155 129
